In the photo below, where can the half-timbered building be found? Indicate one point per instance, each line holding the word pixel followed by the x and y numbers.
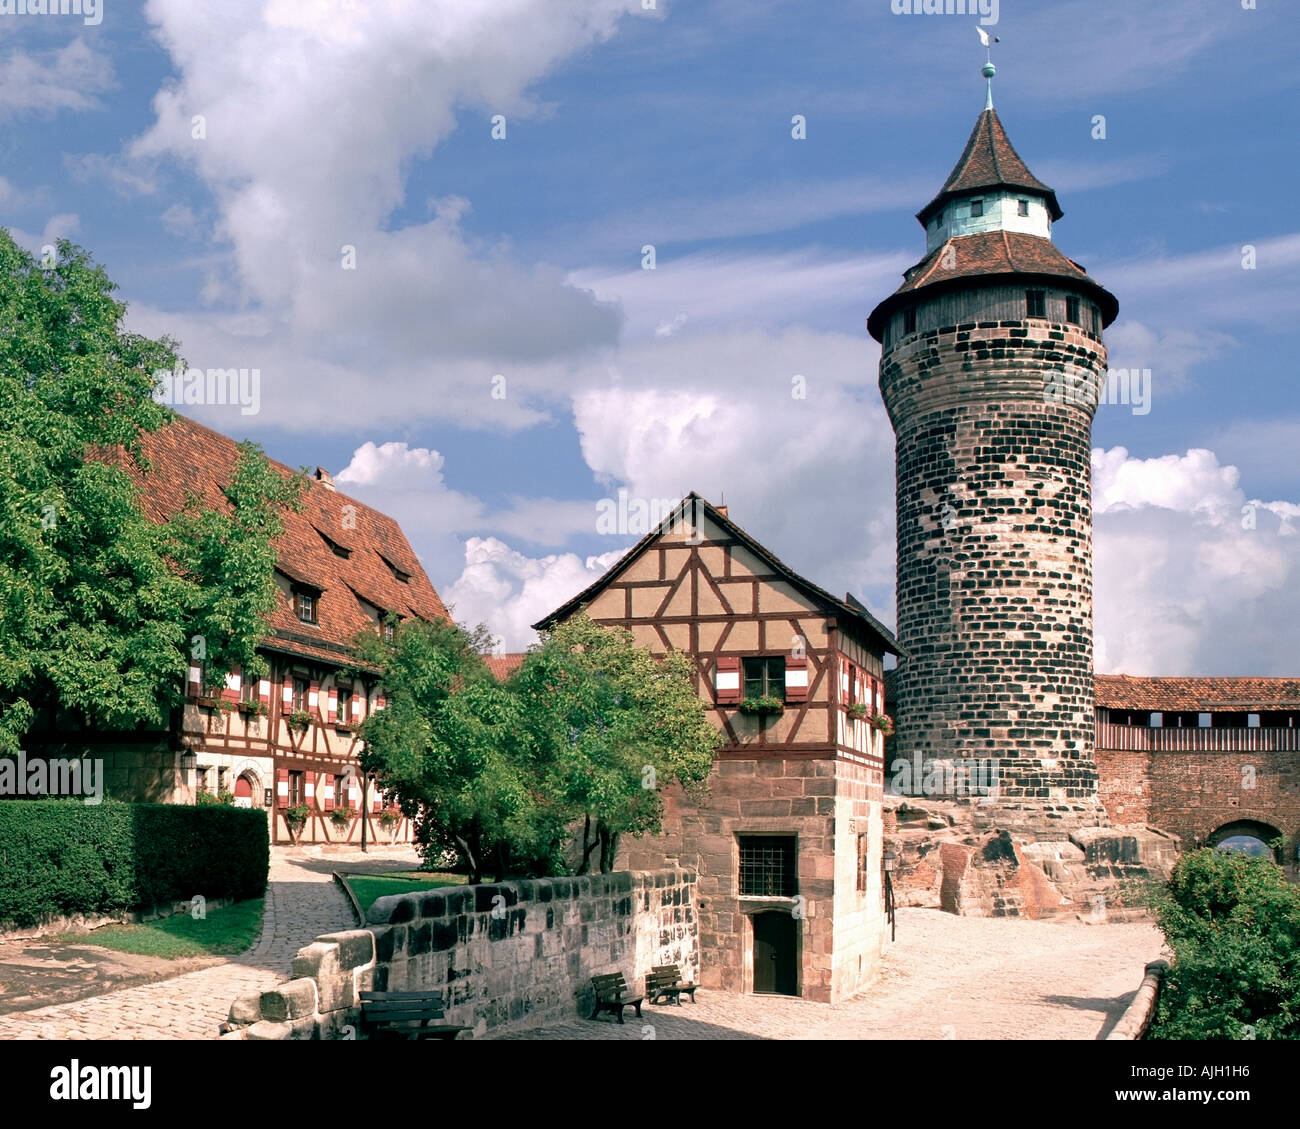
pixel 288 742
pixel 788 842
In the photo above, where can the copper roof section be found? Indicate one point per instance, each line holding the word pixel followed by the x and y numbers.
pixel 989 161
pixel 988 256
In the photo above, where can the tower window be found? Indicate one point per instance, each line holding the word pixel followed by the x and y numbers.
pixel 976 208
pixel 1036 303
pixel 1022 207
pixel 938 218
pixel 1072 310
pixel 909 320
pixel 1096 321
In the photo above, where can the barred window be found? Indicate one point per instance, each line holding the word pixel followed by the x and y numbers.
pixel 767 866
pixel 862 863
pixel 1022 207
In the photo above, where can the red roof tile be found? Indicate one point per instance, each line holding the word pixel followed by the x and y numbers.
pixel 187 458
pixel 504 666
pixel 989 161
pixel 1192 695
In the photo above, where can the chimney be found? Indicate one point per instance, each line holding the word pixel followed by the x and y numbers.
pixel 721 509
pixel 324 478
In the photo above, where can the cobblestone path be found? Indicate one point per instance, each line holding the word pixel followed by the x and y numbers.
pixel 302 901
pixel 946 977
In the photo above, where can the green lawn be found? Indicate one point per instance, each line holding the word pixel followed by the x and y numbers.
pixel 225 931
pixel 368 887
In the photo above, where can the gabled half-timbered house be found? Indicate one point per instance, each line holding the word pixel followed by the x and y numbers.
pixel 788 842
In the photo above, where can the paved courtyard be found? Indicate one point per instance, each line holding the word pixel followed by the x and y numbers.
pixel 302 901
pixel 946 977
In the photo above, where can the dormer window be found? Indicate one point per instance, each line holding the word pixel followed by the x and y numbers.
pixel 1022 207
pixel 388 632
pixel 334 547
pixel 304 605
pixel 976 208
pixel 398 573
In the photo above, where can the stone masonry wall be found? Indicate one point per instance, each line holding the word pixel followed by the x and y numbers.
pixel 1193 794
pixel 812 798
pixel 995 557
pixel 507 957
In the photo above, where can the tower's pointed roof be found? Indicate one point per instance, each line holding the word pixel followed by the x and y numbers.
pixel 988 162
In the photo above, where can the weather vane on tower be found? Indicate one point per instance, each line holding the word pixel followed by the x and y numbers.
pixel 988 70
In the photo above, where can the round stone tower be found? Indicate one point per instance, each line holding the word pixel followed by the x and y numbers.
pixel 991 366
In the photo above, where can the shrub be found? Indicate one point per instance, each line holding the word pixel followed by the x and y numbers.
pixel 1233 923
pixel 60 857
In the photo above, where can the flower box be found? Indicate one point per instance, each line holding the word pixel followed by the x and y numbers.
pixel 884 723
pixel 764 706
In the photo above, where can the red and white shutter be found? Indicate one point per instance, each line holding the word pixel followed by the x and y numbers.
pixel 357 699
pixel 234 680
pixel 334 703
pixel 796 678
pixel 264 692
pixel 376 801
pixel 286 694
pixel 313 698
pixel 845 669
pixel 726 682
pixel 352 791
pixel 282 787
pixel 327 790
pixel 380 702
pixel 195 680
pixel 309 783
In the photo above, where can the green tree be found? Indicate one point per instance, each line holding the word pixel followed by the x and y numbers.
pixel 98 604
pixel 448 744
pixel 609 725
pixel 1233 924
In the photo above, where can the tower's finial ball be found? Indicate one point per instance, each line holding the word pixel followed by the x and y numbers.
pixel 988 70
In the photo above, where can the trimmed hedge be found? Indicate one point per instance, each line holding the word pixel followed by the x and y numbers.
pixel 64 858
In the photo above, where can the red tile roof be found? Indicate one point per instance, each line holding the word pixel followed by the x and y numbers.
pixel 1124 692
pixel 504 666
pixel 187 458
pixel 988 161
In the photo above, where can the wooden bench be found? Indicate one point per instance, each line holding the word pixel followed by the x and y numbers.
pixel 612 995
pixel 405 1015
pixel 667 981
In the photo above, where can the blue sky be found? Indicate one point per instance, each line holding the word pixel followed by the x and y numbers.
pixel 370 125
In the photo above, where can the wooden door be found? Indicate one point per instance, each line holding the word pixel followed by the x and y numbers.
pixel 775 953
pixel 243 793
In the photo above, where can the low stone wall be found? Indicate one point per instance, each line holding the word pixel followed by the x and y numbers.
pixel 506 957
pixel 1137 1017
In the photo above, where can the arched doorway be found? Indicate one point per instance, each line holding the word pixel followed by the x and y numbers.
pixel 776 953
pixel 244 797
pixel 1247 837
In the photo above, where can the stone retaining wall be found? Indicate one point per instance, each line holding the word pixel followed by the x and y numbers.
pixel 506 957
